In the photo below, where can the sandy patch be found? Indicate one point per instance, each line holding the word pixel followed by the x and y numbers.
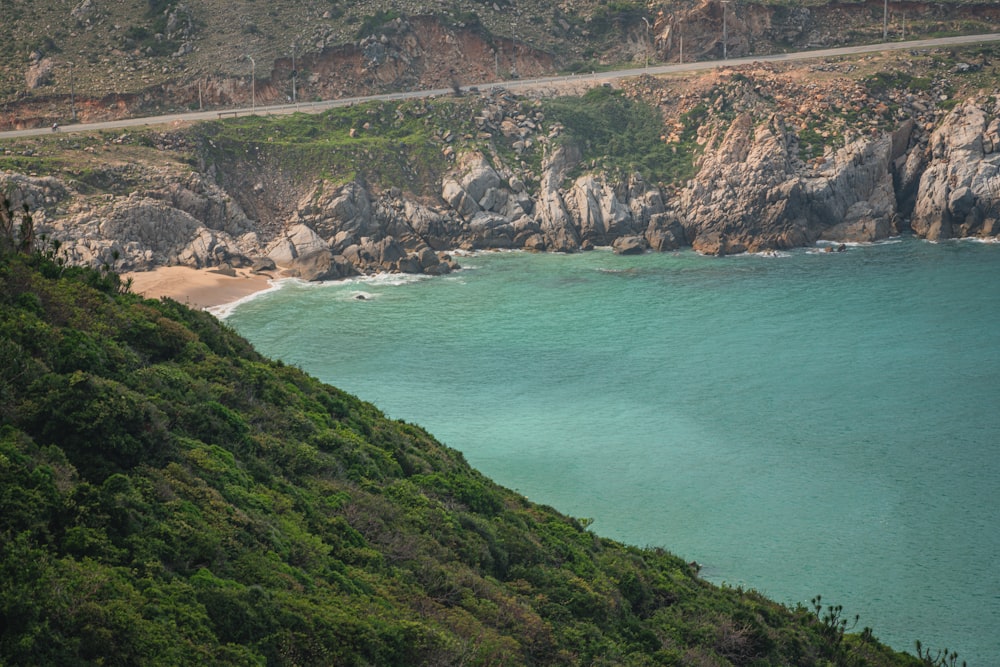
pixel 197 288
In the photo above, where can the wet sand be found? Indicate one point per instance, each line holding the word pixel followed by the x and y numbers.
pixel 198 288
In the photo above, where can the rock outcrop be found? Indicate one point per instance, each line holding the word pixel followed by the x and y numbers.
pixel 189 222
pixel 752 192
pixel 959 192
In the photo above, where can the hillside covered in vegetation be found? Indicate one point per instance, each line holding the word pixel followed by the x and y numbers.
pixel 169 496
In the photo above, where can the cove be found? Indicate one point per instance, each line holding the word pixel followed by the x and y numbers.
pixel 800 424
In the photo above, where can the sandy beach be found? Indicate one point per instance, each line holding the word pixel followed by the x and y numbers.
pixel 198 288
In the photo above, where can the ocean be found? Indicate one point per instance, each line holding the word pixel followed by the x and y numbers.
pixel 799 423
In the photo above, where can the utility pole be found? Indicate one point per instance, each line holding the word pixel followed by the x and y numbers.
pixel 885 20
pixel 513 51
pixel 72 90
pixel 646 21
pixel 680 35
pixel 295 75
pixel 253 84
pixel 725 34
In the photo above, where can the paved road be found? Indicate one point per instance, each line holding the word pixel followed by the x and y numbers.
pixel 523 84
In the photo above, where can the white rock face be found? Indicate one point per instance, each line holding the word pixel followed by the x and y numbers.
pixel 752 194
pixel 959 192
pixel 298 241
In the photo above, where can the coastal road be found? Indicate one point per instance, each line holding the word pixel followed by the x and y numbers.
pixel 513 85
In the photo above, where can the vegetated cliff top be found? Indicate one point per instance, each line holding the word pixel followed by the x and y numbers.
pixel 169 496
pixel 107 58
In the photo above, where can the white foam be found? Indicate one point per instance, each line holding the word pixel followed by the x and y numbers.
pixel 990 240
pixel 822 247
pixel 767 254
pixel 222 311
pixel 459 252
pixel 381 279
pixel 860 244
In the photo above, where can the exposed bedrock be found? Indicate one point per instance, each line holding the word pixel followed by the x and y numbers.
pixel 751 193
pixel 959 193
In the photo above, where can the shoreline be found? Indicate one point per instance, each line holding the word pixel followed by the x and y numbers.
pixel 203 289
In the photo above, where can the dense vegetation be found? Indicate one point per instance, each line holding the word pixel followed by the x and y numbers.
pixel 168 496
pixel 382 142
pixel 620 135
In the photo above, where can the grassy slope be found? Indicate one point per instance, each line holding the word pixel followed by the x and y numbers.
pixel 168 496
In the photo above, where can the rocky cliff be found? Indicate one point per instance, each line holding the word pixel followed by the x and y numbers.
pixel 959 190
pixel 516 178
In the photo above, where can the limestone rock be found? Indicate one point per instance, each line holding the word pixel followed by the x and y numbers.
pixel 139 233
pixel 458 199
pixel 263 265
pixel 473 187
pixel 629 245
pixel 320 265
pixel 39 73
pixel 600 216
pixel 298 240
pixel 208 203
pixel 750 194
pixel 959 192
pixel 349 210
pixel 550 210
pixel 665 232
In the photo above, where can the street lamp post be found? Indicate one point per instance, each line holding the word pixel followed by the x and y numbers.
pixel 72 90
pixel 513 50
pixel 646 21
pixel 295 75
pixel 680 36
pixel 725 34
pixel 253 84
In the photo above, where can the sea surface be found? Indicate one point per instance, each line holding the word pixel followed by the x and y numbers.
pixel 802 423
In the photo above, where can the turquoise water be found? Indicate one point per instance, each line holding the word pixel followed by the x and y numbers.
pixel 812 423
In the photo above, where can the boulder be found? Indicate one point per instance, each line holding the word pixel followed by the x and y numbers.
pixel 210 248
pixel 458 199
pixel 665 232
pixel 39 73
pixel 298 240
pixel 477 175
pixel 350 210
pixel 206 202
pixel 262 265
pixel 629 245
pixel 489 230
pixel 319 265
pixel 410 264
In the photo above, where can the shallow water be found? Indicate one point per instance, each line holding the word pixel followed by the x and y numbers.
pixel 811 423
